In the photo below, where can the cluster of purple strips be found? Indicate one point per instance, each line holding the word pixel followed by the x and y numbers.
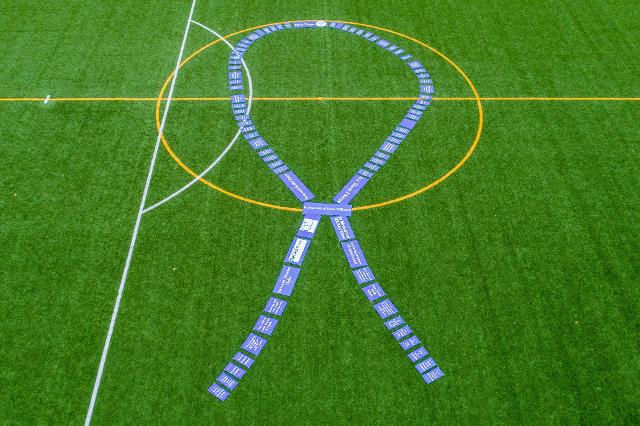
pixel 312 213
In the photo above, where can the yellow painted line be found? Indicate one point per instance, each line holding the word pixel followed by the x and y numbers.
pixel 330 99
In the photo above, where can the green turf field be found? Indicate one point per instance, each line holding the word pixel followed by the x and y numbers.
pixel 520 272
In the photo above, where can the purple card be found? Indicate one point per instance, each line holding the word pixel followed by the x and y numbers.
pixel 237 98
pixel 243 359
pixel 409 124
pixel 372 166
pixel 414 65
pixel 254 344
pixel 351 189
pixel 425 365
pixel 265 152
pixel 265 325
pixel 354 254
pixel 382 155
pixel 426 88
pixel 373 292
pixel 249 136
pixel 231 368
pixel 402 332
pixel 433 375
pixel 378 161
pixel 418 354
pixel 326 209
pixel 365 173
pixel 218 392
pixel 393 323
pixel 276 164
pixel 275 306
pixel 343 228
pixel 409 343
pixel 269 158
pixel 308 226
pixel 296 253
pixel 363 275
pixel 286 280
pixel 296 186
pixel 406 57
pixel 281 169
pixel 257 143
pixel 389 147
pixel 385 309
pixel 227 381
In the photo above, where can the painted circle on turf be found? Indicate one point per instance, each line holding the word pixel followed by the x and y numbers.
pixel 442 178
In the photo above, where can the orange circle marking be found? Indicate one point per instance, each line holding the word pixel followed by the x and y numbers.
pixel 464 159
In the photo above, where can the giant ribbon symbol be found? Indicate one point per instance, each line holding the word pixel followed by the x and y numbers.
pixel 313 213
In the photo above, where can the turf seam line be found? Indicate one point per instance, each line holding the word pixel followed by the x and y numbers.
pixel 123 279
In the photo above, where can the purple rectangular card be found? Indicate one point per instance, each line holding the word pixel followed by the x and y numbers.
pixel 409 124
pixel 382 155
pixel 409 343
pixel 326 209
pixel 308 226
pixel 275 306
pixel 378 161
pixel 418 354
pixel 402 332
pixel 433 375
pixel 296 186
pixel 351 189
pixel 414 65
pixel 281 169
pixel 297 250
pixel 425 365
pixel 363 275
pixel 373 292
pixel 286 280
pixel 243 359
pixel 365 173
pixel 233 369
pixel 227 381
pixel 343 228
pixel 394 322
pixel 265 152
pixel 385 309
pixel 218 392
pixel 276 164
pixel 257 143
pixel 354 254
pixel 388 147
pixel 254 344
pixel 372 166
pixel 265 325
pixel 237 98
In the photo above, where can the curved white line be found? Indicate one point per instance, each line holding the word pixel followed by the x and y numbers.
pixel 228 147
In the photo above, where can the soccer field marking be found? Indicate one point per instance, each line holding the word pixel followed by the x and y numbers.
pixel 228 147
pixel 123 279
pixel 239 197
pixel 333 99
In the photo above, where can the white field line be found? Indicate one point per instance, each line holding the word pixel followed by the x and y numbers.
pixel 228 147
pixel 123 279
pixel 46 100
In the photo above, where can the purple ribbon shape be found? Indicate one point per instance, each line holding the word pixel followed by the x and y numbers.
pixel 312 214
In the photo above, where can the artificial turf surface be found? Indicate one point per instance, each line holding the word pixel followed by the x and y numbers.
pixel 520 272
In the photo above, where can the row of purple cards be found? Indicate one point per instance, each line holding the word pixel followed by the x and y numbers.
pixel 271 159
pixel 227 381
pixel 383 306
pixel 264 327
